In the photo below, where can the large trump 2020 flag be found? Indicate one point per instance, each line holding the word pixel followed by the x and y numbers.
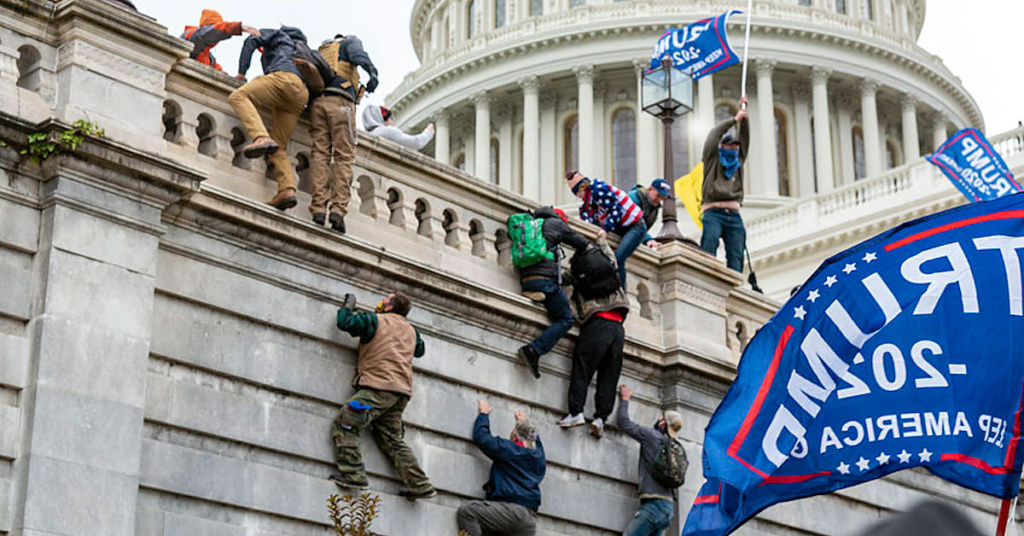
pixel 698 49
pixel 904 351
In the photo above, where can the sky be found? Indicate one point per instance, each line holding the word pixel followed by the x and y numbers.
pixel 978 43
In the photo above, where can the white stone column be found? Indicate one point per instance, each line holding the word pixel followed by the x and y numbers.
pixel 550 177
pixel 482 139
pixel 506 114
pixel 602 156
pixel 531 138
pixel 585 109
pixel 769 170
pixel 869 121
pixel 469 147
pixel 442 138
pixel 804 186
pixel 648 165
pixel 939 133
pixel 848 171
pixel 911 138
pixel 822 130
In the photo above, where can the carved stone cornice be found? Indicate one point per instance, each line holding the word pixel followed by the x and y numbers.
pixel 868 87
pixel 908 102
pixel 584 74
pixel 529 84
pixel 764 67
pixel 480 99
pixel 820 75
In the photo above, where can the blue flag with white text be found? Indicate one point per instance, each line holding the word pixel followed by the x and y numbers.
pixel 904 351
pixel 974 167
pixel 698 49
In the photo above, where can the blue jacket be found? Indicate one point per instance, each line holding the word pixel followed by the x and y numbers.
pixel 516 472
pixel 278 52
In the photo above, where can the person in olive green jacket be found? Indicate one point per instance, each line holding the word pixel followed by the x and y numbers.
pixel 383 382
pixel 725 151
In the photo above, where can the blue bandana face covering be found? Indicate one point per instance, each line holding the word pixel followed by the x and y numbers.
pixel 730 160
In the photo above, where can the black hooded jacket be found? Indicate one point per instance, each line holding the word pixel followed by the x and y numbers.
pixel 556 232
pixel 278 52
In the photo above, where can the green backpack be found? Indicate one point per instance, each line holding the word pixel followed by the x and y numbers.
pixel 528 244
pixel 669 467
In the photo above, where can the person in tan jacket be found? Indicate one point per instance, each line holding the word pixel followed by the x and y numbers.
pixel 383 383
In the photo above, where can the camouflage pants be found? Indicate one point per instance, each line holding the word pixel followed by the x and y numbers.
pixel 383 410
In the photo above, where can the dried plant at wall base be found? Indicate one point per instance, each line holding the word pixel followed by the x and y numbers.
pixel 351 515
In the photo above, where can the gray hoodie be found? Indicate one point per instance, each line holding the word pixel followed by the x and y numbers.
pixel 650 441
pixel 373 122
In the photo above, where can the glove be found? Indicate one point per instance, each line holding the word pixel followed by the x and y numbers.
pixel 371 86
pixel 350 301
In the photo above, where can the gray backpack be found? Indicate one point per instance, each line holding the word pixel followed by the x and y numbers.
pixel 669 467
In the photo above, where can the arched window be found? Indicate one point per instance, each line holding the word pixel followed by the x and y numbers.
pixel 892 155
pixel 859 170
pixel 206 132
pixel 499 13
pixel 869 9
pixel 624 148
pixel 536 8
pixel 782 151
pixel 724 111
pixel 494 161
pixel 680 149
pixel 470 19
pixel 841 7
pixel 172 121
pixel 571 144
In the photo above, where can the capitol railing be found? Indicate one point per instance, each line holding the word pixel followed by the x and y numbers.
pixel 1009 145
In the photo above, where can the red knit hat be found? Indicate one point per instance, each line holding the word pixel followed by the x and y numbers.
pixel 385 113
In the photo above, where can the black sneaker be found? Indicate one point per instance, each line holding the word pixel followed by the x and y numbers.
pixel 348 484
pixel 529 357
pixel 319 218
pixel 337 222
pixel 412 495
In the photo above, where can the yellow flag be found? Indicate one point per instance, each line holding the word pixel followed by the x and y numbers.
pixel 688 190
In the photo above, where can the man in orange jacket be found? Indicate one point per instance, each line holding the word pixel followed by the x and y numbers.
pixel 212 30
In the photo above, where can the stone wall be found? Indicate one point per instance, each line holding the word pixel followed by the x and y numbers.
pixel 169 363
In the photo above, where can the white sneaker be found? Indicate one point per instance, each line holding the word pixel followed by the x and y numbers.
pixel 597 428
pixel 572 420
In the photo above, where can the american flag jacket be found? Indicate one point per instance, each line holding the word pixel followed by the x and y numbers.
pixel 609 207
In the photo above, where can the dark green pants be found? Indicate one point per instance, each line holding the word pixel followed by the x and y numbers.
pixel 385 416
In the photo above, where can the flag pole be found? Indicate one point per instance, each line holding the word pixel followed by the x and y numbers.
pixel 746 53
pixel 1004 516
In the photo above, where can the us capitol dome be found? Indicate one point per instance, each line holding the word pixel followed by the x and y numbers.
pixel 523 90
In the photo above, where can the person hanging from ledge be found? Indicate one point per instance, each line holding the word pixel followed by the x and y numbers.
pixel 379 121
pixel 542 280
pixel 649 199
pixel 212 30
pixel 725 151
pixel 601 306
pixel 611 209
pixel 513 490
pixel 281 90
pixel 383 383
pixel 332 127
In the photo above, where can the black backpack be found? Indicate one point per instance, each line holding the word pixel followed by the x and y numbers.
pixel 593 273
pixel 669 467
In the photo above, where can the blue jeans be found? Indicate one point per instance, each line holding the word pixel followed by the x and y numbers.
pixel 632 237
pixel 653 517
pixel 727 225
pixel 557 305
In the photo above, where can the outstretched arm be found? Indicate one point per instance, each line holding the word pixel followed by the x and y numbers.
pixel 362 325
pixel 251 44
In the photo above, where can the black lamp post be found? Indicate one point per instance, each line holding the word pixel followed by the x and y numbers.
pixel 667 93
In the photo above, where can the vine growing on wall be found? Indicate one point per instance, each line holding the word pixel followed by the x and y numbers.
pixel 351 515
pixel 41 146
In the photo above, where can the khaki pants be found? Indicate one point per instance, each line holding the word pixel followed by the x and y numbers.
pixel 333 129
pixel 476 518
pixel 283 93
pixel 385 416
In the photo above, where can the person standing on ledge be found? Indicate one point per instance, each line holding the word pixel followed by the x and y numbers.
pixel 649 200
pixel 513 491
pixel 383 382
pixel 613 211
pixel 379 121
pixel 212 30
pixel 332 127
pixel 281 90
pixel 725 151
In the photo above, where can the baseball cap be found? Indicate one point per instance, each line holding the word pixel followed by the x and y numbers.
pixel 729 137
pixel 673 423
pixel 663 187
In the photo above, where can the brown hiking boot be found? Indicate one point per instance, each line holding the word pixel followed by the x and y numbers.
pixel 284 200
pixel 259 147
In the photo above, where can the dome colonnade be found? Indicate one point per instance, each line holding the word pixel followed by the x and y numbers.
pixel 523 90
